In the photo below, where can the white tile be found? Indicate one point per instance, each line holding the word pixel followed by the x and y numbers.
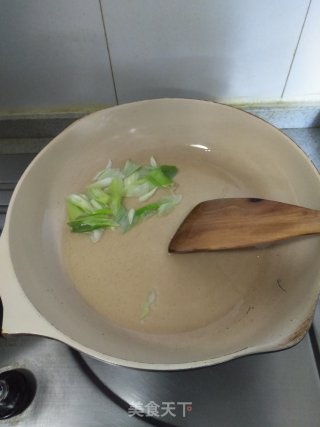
pixel 53 54
pixel 224 50
pixel 304 78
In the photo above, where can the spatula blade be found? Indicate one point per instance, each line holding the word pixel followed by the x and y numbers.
pixel 240 223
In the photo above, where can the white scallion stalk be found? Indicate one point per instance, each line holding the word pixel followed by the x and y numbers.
pixel 109 166
pixel 153 162
pixel 96 235
pixel 96 205
pixel 147 195
pixel 149 301
pixel 103 183
pixel 81 201
pixel 130 168
pixel 168 204
pixel 131 213
pixel 138 190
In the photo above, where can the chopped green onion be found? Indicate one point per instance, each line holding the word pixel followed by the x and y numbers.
pixel 161 207
pixel 109 165
pixel 73 210
pixel 153 162
pixel 169 171
pixel 157 178
pixel 149 301
pixel 168 204
pixel 96 235
pixel 97 194
pixel 146 210
pixel 123 220
pixel 95 204
pixel 103 204
pixel 80 201
pixel 116 193
pixel 108 173
pixel 131 215
pixel 87 223
pixel 135 186
pixel 162 176
pixel 147 195
pixel 102 183
pixel 129 168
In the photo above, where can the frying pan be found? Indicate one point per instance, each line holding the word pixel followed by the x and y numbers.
pixel 273 313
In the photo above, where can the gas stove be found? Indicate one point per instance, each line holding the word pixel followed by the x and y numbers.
pixel 49 384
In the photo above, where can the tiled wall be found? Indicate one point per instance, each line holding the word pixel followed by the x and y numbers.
pixel 75 54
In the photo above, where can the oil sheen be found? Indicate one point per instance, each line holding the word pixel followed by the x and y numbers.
pixel 115 275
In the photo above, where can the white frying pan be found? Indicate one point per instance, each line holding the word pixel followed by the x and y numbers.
pixel 256 160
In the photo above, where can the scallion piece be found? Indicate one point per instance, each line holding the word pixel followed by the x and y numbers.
pixel 149 301
pixel 129 168
pixel 88 223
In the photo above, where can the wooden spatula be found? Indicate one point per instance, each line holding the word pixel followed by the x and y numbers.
pixel 239 223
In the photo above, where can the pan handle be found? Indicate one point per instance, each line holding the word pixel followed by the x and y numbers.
pixel 19 315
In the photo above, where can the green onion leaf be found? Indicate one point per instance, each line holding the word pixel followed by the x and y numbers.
pixel 116 192
pixel 169 171
pixel 73 210
pixel 97 194
pixel 91 222
pixel 161 176
pixel 145 211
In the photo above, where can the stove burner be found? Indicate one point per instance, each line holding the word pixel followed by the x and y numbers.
pixel 17 390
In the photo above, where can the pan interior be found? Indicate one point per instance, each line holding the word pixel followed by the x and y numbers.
pixel 192 291
pixel 207 305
